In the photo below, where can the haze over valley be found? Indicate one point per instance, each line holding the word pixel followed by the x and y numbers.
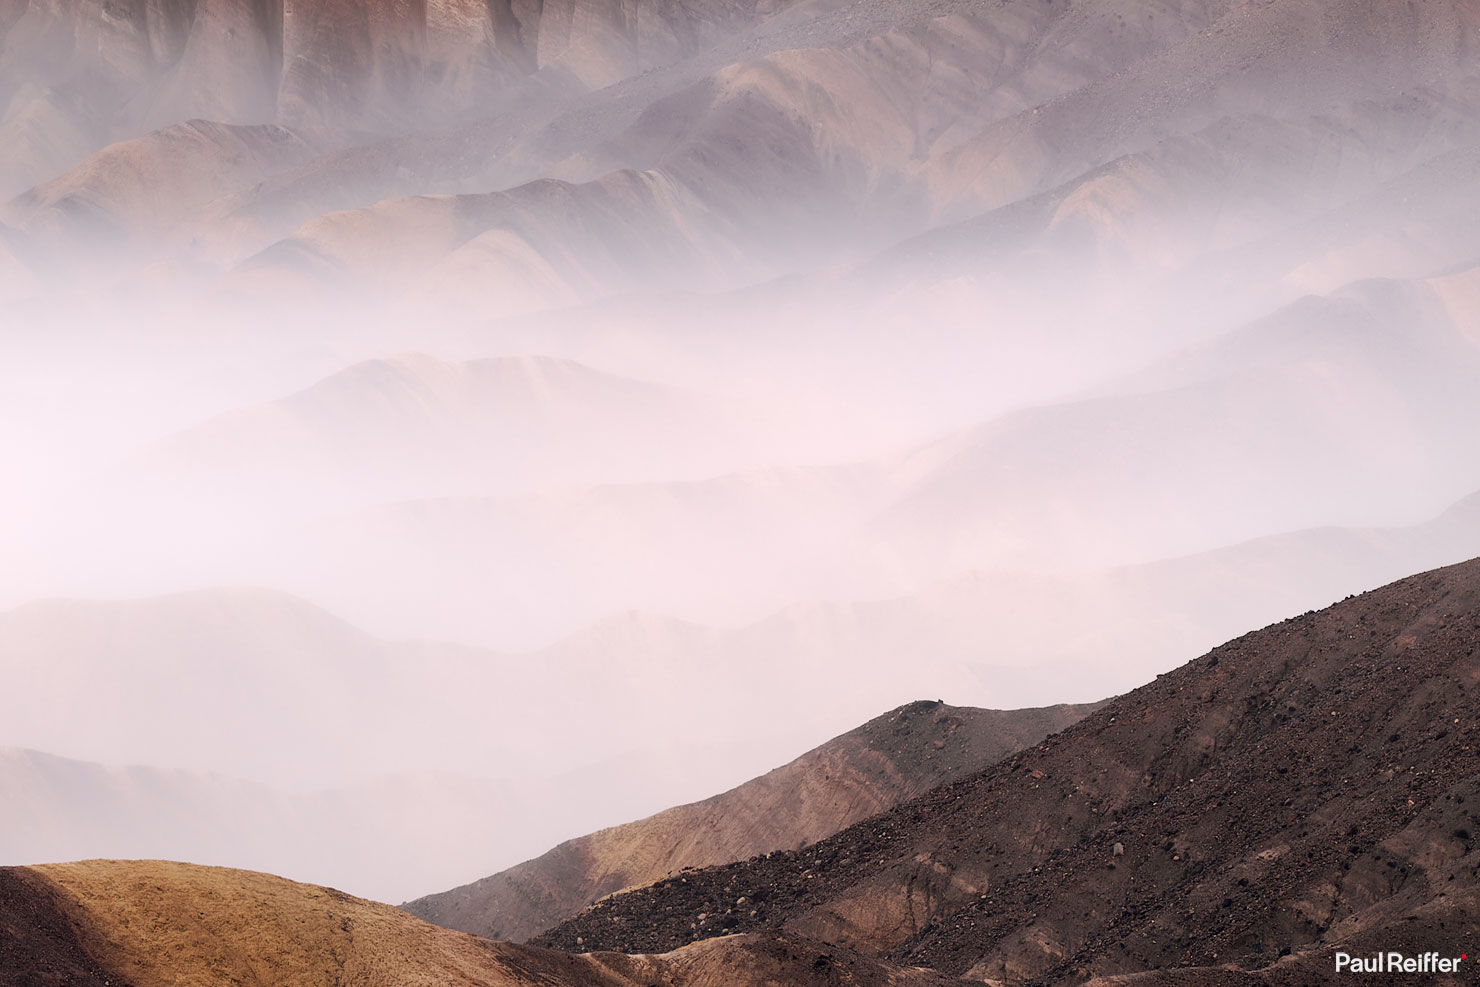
pixel 439 433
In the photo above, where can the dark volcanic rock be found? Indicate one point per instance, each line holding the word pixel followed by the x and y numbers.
pixel 1309 784
pixel 39 947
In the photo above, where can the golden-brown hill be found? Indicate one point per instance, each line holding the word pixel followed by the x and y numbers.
pixel 161 924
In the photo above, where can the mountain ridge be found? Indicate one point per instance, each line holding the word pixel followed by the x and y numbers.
pixel 1204 776
pixel 849 778
pixel 160 924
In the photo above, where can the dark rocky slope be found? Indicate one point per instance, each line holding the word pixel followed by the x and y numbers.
pixel 1310 784
pixel 889 759
pixel 39 945
pixel 109 923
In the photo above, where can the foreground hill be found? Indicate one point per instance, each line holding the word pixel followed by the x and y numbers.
pixel 889 759
pixel 158 924
pixel 1301 787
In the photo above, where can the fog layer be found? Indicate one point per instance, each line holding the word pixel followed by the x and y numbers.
pixel 489 424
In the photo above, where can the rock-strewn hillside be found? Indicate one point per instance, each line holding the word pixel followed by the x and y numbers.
pixel 1303 788
pixel 889 759
pixel 159 924
pixel 1310 784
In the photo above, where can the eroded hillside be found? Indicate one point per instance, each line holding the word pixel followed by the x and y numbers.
pixel 1306 785
pixel 889 759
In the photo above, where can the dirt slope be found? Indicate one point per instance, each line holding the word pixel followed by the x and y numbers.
pixel 889 759
pixel 160 924
pixel 39 946
pixel 1305 785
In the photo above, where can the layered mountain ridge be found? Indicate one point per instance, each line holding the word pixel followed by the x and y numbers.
pixel 857 124
pixel 1298 788
pixel 715 374
pixel 887 760
pixel 1301 789
pixel 91 71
